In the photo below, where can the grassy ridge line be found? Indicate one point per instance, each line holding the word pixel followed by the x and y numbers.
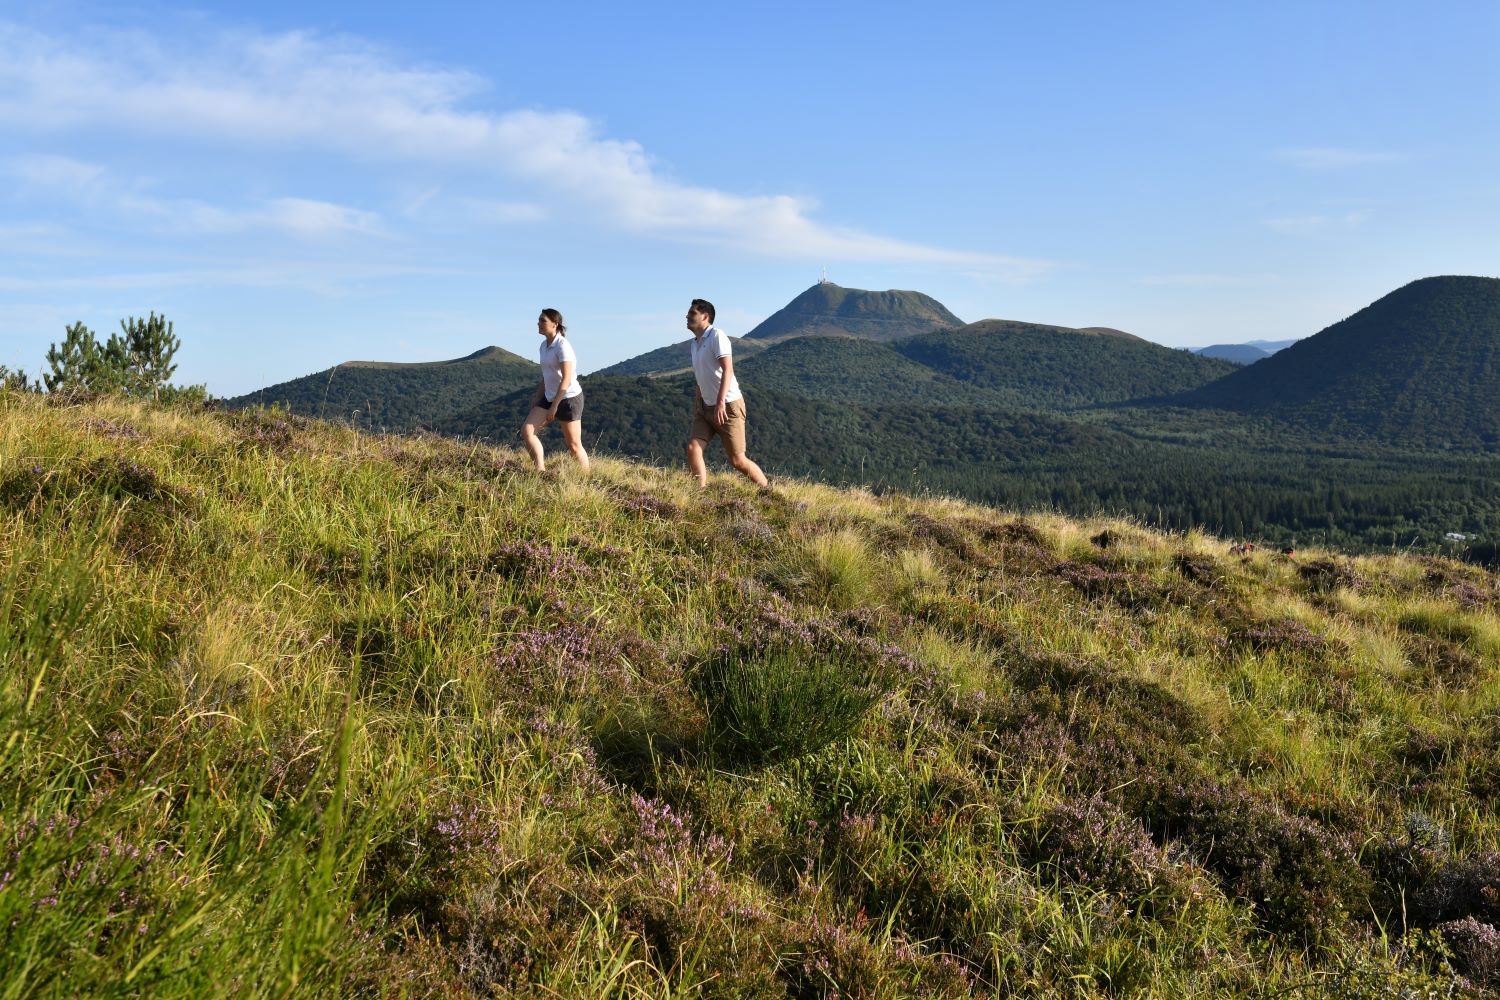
pixel 291 708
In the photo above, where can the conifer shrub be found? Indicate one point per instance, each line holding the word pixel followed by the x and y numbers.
pixel 766 705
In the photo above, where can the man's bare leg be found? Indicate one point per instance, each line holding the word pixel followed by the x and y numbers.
pixel 696 465
pixel 749 469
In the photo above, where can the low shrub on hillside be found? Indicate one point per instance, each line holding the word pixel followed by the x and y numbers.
pixel 765 706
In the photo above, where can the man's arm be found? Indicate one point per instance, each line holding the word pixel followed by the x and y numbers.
pixel 726 376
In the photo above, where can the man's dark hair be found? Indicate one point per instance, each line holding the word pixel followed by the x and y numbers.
pixel 705 307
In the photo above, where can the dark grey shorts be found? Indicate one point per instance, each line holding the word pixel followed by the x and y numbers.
pixel 570 408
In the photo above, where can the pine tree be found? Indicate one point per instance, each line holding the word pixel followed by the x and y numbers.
pixel 76 363
pixel 16 381
pixel 143 356
pixel 137 361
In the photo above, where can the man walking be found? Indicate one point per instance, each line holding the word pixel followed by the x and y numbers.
pixel 724 417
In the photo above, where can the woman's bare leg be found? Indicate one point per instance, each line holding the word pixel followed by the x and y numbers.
pixel 573 436
pixel 530 435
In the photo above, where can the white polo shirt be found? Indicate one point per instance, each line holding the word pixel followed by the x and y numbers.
pixel 553 356
pixel 707 349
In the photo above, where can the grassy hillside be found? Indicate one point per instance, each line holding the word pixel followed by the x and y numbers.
pixel 1031 366
pixel 291 709
pixel 387 395
pixel 1419 368
pixel 827 309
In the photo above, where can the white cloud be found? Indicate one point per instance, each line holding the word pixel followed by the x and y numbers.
pixel 1333 158
pixel 1307 225
pixel 304 91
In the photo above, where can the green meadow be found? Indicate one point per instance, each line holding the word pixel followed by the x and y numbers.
pixel 288 709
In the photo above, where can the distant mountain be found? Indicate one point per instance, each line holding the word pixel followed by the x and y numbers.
pixel 1419 368
pixel 397 396
pixel 826 309
pixel 1240 354
pixel 675 358
pixel 1247 353
pixel 1033 366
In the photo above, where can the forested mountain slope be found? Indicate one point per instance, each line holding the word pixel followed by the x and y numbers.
pixel 1420 367
pixel 388 395
pixel 1034 366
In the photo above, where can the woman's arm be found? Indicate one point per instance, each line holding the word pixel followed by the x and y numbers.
pixel 562 387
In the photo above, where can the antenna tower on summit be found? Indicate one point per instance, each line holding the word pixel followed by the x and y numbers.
pixel 824 280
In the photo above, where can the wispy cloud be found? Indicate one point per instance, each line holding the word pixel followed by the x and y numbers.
pixel 302 91
pixel 33 239
pixel 1206 280
pixel 95 186
pixel 1334 158
pixel 303 218
pixel 315 276
pixel 1306 225
pixel 52 173
pixel 504 213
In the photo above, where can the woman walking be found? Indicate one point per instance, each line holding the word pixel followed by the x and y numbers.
pixel 559 397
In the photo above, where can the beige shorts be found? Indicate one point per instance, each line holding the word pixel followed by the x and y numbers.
pixel 732 432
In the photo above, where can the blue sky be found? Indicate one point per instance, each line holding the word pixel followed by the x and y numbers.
pixel 297 185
